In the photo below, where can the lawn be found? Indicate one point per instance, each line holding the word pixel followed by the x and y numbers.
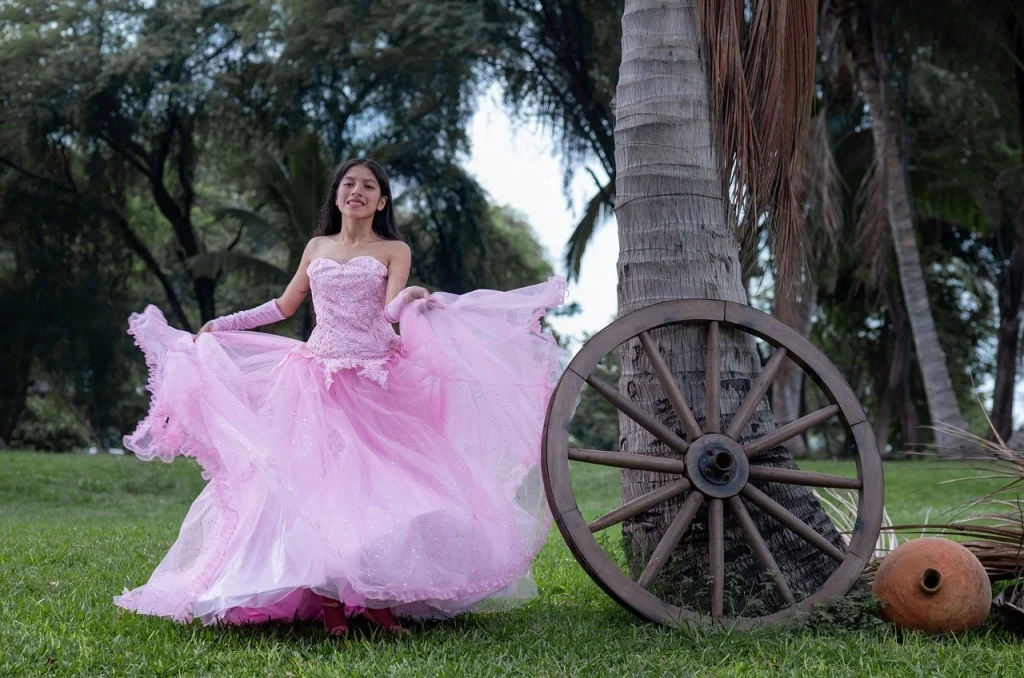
pixel 74 530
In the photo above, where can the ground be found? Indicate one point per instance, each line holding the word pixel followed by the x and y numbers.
pixel 74 530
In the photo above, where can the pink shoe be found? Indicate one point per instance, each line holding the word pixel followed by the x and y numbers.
pixel 334 617
pixel 382 617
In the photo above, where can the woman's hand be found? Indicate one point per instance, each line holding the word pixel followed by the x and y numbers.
pixel 208 327
pixel 414 293
pixel 431 300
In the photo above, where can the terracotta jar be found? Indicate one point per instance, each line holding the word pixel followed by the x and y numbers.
pixel 933 585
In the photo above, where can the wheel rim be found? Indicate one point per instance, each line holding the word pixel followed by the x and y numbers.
pixel 710 465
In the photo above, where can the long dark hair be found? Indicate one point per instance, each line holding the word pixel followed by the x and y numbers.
pixel 384 223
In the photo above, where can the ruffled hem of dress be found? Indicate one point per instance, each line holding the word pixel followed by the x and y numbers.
pixel 131 601
pixel 558 355
pixel 135 326
pixel 559 294
pixel 384 597
pixel 170 438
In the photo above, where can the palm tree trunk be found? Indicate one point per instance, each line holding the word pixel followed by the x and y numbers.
pixel 1011 287
pixel 676 241
pixel 942 403
pixel 886 387
pixel 910 422
pixel 894 372
pixel 1011 280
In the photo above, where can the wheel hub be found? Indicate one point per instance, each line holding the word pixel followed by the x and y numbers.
pixel 717 466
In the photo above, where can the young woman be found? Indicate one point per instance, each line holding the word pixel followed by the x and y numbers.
pixel 360 472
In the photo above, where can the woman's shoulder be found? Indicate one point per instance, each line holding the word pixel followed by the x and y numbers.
pixel 314 244
pixel 397 249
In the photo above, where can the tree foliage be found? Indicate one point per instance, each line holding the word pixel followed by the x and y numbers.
pixel 177 153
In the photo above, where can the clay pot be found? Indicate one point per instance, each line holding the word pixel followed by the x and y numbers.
pixel 933 585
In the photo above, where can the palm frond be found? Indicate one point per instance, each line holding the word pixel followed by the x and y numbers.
pixel 964 30
pixel 996 533
pixel 825 188
pixel 309 174
pixel 289 191
pixel 872 226
pixel 275 186
pixel 842 508
pixel 600 208
pixel 762 78
pixel 257 225
pixel 953 205
pixel 212 264
pixel 840 80
pixel 722 28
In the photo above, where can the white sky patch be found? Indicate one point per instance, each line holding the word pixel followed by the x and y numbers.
pixel 519 165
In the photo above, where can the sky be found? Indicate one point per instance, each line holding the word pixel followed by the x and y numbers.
pixel 518 164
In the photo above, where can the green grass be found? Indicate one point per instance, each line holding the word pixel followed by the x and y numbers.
pixel 75 530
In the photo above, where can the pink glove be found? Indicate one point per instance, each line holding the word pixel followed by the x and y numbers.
pixel 393 311
pixel 267 314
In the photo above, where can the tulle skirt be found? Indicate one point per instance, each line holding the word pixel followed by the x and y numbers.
pixel 422 494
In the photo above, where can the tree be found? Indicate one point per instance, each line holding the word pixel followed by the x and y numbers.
pixel 1009 243
pixel 287 194
pixel 968 191
pixel 65 290
pixel 162 94
pixel 854 27
pixel 978 172
pixel 558 61
pixel 136 84
pixel 677 236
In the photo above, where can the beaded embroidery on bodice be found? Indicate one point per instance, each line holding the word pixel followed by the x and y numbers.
pixel 351 331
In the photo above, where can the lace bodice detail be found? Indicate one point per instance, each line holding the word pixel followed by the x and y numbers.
pixel 351 331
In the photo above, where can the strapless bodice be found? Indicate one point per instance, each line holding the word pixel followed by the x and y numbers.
pixel 351 331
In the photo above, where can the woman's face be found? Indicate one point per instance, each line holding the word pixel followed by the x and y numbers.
pixel 359 194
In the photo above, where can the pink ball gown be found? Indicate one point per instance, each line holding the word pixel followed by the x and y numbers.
pixel 379 470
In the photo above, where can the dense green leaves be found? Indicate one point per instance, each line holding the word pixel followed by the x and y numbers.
pixel 178 152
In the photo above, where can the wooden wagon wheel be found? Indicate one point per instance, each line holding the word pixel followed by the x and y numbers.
pixel 711 466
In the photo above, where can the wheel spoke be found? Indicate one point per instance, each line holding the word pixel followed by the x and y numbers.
pixel 713 392
pixel 640 462
pixel 799 527
pixel 671 539
pixel 757 391
pixel 668 384
pixel 655 427
pixel 716 556
pixel 760 549
pixel 769 474
pixel 640 504
pixel 790 430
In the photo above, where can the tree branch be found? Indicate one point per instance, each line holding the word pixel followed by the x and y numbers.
pixel 136 161
pixel 139 247
pixel 131 238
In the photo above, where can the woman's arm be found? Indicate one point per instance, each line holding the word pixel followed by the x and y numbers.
pixel 298 288
pixel 272 311
pixel 398 296
pixel 399 266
